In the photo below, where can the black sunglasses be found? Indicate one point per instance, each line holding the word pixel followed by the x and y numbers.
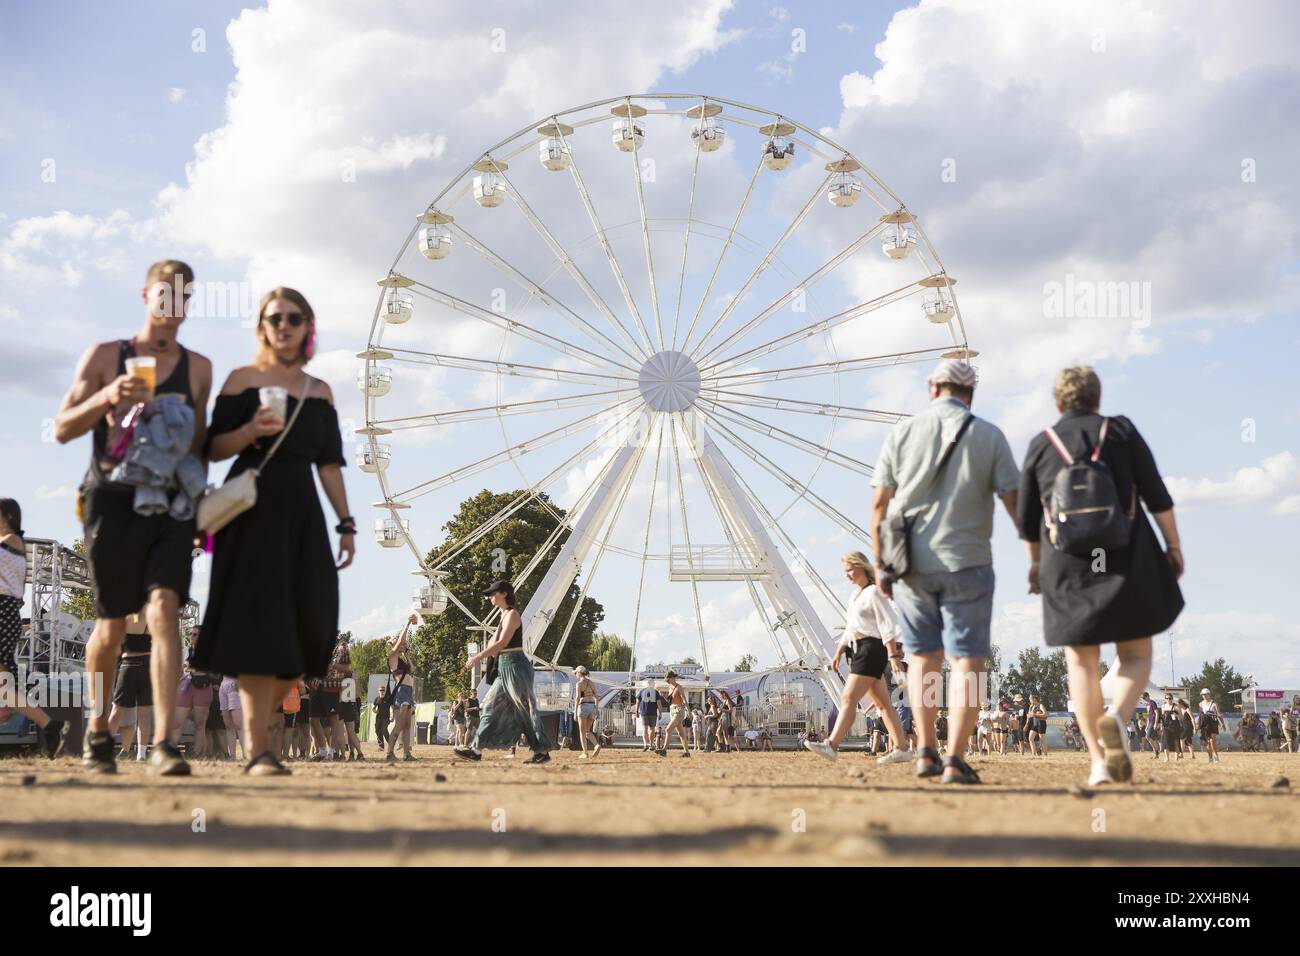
pixel 295 319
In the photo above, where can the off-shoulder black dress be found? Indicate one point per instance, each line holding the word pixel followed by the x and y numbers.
pixel 1136 593
pixel 273 602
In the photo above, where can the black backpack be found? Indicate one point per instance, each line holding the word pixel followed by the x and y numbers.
pixel 1083 512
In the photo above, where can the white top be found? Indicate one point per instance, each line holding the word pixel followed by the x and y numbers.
pixel 1207 706
pixel 870 614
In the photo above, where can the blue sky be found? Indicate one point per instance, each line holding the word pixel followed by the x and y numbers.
pixel 1105 144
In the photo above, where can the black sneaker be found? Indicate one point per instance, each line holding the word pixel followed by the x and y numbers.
pixel 54 738
pixel 464 753
pixel 99 756
pixel 539 757
pixel 166 761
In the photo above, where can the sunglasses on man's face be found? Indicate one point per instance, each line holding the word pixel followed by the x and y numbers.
pixel 274 320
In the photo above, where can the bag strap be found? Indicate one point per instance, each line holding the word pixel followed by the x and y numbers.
pixel 1101 438
pixel 306 390
pixel 947 453
pixel 1059 445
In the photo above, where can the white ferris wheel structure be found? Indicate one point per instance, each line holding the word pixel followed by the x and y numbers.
pixel 661 333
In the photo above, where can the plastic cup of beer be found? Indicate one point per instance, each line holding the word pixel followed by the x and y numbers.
pixel 145 368
pixel 275 398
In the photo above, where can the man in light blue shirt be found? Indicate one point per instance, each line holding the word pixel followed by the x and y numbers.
pixel 945 602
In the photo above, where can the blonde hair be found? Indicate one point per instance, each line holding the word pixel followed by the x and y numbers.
pixel 1077 389
pixel 265 353
pixel 856 559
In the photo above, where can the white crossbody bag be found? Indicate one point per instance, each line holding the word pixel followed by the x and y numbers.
pixel 222 505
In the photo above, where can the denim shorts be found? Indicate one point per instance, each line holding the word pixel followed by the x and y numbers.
pixel 949 611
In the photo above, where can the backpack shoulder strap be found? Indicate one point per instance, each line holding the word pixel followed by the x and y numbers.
pixel 1059 445
pixel 1101 438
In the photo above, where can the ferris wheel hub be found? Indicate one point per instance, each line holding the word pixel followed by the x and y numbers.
pixel 669 381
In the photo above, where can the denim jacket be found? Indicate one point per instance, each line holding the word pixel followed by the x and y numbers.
pixel 168 478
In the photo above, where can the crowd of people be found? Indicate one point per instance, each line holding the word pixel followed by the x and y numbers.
pixel 266 649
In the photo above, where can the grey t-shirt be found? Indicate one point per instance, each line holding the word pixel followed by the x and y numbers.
pixel 955 514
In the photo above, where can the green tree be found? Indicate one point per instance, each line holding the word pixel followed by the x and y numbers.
pixel 609 653
pixel 1220 678
pixel 438 646
pixel 369 657
pixel 1041 674
pixel 746 664
pixel 689 660
pixel 80 604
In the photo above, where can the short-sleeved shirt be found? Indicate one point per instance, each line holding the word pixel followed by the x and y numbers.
pixel 954 515
pixel 869 614
pixel 648 701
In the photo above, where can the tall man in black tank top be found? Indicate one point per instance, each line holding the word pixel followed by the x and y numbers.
pixel 136 561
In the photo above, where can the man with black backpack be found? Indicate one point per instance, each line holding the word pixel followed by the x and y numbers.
pixel 931 523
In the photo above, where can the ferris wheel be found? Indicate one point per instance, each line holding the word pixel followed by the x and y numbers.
pixel 663 311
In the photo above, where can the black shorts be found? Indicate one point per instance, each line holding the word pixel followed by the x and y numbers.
pixel 347 711
pixel 324 703
pixel 133 687
pixel 130 555
pixel 869 658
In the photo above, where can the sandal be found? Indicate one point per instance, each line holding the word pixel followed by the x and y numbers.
pixel 265 765
pixel 965 775
pixel 928 762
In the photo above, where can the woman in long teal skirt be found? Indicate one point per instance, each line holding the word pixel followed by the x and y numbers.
pixel 510 708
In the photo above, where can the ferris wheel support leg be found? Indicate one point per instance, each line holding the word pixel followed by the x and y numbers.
pixel 539 613
pixel 809 635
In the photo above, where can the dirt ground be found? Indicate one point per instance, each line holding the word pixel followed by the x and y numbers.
pixel 627 806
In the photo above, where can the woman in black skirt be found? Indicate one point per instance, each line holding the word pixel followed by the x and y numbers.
pixel 1122 595
pixel 273 603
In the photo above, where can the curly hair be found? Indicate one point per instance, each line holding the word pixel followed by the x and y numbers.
pixel 1077 389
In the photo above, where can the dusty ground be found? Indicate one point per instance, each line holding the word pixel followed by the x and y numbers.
pixel 628 806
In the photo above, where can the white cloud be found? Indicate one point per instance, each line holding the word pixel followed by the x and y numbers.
pixel 176 94
pixel 1052 148
pixel 1275 481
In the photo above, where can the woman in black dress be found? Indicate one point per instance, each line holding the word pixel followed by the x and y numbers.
pixel 1124 595
pixel 273 603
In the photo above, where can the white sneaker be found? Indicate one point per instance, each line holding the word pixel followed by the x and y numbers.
pixel 1114 741
pixel 821 749
pixel 897 756
pixel 582 756
pixel 1099 774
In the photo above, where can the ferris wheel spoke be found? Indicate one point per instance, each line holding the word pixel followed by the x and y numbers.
pixel 645 241
pixel 452 549
pixel 791 439
pixel 822 409
pixel 600 553
pixel 628 300
pixel 784 537
pixel 825 269
pixel 506 324
pixel 517 369
pixel 772 468
pixel 570 266
pixel 686 233
pixel 645 548
pixel 686 533
pixel 815 328
pixel 722 253
pixel 481 412
pixel 534 289
pixel 884 360
pixel 522 448
pixel 763 263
